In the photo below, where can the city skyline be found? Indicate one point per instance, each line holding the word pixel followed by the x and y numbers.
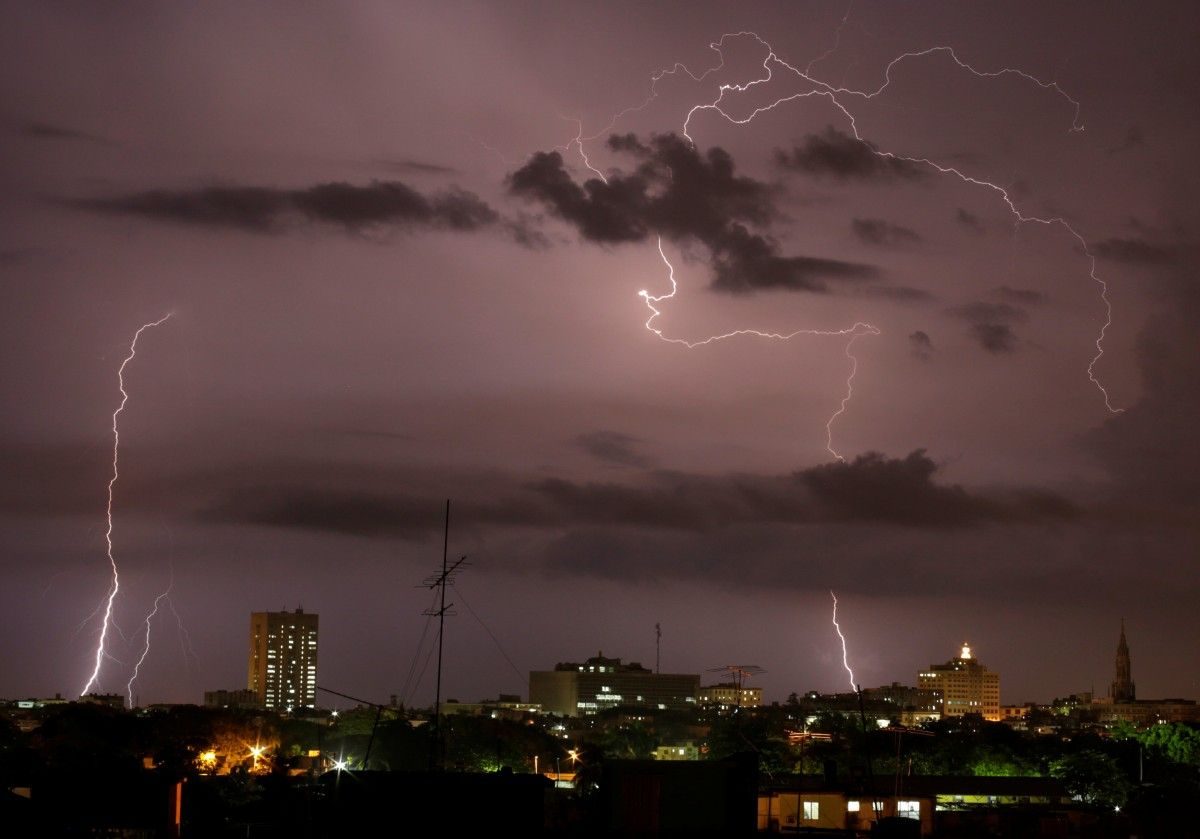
pixel 427 252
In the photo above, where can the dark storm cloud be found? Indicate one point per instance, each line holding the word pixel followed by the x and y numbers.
pixel 374 501
pixel 991 324
pixel 746 262
pixel 613 447
pixel 876 231
pixel 872 488
pixel 677 192
pixel 418 167
pixel 46 131
pixel 378 205
pixel 968 220
pixel 902 491
pixel 1019 296
pixel 841 156
pixel 342 512
pixel 897 293
pixel 1134 252
pixel 921 345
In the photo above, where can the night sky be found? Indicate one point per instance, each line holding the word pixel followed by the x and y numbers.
pixel 394 279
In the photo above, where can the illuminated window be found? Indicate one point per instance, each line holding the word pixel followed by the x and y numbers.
pixel 908 809
pixel 812 810
pixel 853 806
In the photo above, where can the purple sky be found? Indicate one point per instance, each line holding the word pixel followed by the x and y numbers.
pixel 394 280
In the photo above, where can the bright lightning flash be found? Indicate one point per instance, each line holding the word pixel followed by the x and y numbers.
pixel 845 654
pixel 836 95
pixel 146 646
pixel 101 653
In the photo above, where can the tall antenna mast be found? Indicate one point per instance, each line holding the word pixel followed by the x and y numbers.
pixel 436 752
pixel 657 647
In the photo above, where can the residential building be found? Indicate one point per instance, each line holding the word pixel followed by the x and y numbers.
pixel 912 706
pixel 687 750
pixel 831 806
pixel 230 699
pixel 599 683
pixel 728 695
pixel 966 686
pixel 283 660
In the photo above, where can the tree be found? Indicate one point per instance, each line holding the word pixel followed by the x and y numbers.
pixel 1177 742
pixel 1093 776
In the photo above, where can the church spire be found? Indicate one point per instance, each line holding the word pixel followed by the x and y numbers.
pixel 1122 689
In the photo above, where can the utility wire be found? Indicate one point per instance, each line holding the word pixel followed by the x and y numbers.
pixel 495 640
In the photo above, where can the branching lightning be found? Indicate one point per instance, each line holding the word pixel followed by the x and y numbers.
pixel 845 653
pixel 146 645
pixel 101 652
pixel 835 96
pixel 853 334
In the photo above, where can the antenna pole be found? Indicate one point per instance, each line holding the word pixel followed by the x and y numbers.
pixel 435 758
pixel 657 647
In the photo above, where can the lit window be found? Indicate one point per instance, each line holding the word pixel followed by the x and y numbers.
pixel 812 811
pixel 908 809
pixel 853 806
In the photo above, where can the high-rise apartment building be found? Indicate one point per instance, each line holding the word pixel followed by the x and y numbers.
pixel 283 659
pixel 966 686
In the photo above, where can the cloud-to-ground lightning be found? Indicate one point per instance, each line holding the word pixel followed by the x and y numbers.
pixel 845 652
pixel 853 333
pixel 145 645
pixel 101 652
pixel 835 95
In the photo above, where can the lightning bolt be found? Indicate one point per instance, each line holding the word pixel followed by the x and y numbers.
pixel 101 653
pixel 845 654
pixel 854 333
pixel 146 646
pixel 837 40
pixel 832 93
pixel 835 95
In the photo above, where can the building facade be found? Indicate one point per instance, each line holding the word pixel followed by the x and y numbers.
pixel 282 669
pixel 230 699
pixel 728 695
pixel 965 685
pixel 576 690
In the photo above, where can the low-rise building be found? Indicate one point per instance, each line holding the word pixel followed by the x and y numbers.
pixel 243 698
pixel 687 750
pixel 599 683
pixel 729 695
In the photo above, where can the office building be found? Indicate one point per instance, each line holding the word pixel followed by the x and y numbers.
pixel 574 690
pixel 965 685
pixel 283 659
